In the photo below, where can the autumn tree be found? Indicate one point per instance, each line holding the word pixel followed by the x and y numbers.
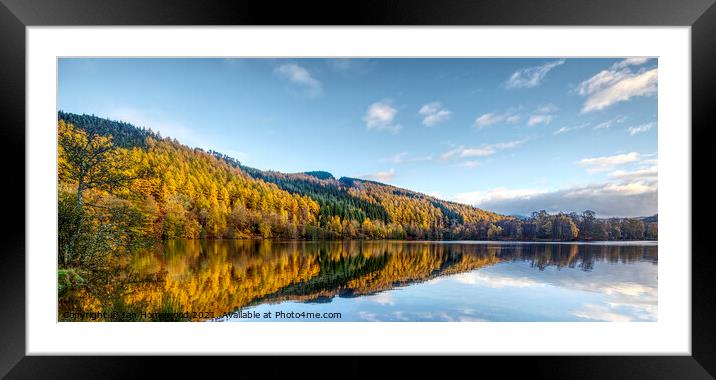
pixel 91 161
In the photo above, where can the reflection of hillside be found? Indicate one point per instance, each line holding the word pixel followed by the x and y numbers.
pixel 207 277
pixel 420 262
pixel 385 265
pixel 222 276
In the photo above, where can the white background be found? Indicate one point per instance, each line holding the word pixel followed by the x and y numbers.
pixel 670 335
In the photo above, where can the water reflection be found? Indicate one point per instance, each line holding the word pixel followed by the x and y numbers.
pixel 383 280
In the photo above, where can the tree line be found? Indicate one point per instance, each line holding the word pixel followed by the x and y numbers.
pixel 121 185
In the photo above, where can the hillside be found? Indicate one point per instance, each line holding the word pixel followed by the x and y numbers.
pixel 180 192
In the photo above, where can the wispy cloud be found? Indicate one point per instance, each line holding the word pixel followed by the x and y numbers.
pixel 609 123
pixel 571 128
pixel 488 119
pixel 648 174
pixel 547 108
pixel 433 113
pixel 641 128
pixel 496 280
pixel 380 116
pixel 477 198
pixel 601 313
pixel 404 157
pixel 480 151
pixel 301 78
pixel 618 84
pixel 633 61
pixel 383 298
pixel 618 198
pixel 531 76
pixel 509 144
pixel 624 193
pixel 383 176
pixel 542 115
pixel 398 158
pixel 539 119
pixel 606 163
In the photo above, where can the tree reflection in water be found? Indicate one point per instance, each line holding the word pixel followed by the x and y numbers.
pixel 223 276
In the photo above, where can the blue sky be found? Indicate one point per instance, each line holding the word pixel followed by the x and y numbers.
pixel 510 135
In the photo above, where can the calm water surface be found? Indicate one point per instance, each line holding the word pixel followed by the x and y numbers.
pixel 238 281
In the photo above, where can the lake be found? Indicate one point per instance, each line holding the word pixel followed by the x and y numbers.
pixel 249 281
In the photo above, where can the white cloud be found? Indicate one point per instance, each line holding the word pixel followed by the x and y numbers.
pixel 633 61
pixel 626 193
pixel 539 119
pixel 643 174
pixel 601 80
pixel 383 298
pixel 531 76
pixel 617 85
pixel 399 158
pixel 380 116
pixel 478 198
pixel 495 280
pixel 542 115
pixel 487 119
pixel 606 163
pixel 628 188
pixel 563 130
pixel 601 313
pixel 615 293
pixel 569 129
pixel 641 128
pixel 452 153
pixel 622 198
pixel 549 108
pixel 300 77
pixel 384 176
pixel 434 113
pixel 487 150
pixel 403 157
pixel 509 144
pixel 481 151
pixel 609 123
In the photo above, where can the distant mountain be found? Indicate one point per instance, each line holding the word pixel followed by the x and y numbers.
pixel 207 193
pixel 320 175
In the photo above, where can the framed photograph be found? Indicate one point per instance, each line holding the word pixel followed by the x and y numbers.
pixel 412 179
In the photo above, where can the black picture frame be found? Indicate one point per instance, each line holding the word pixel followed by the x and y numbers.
pixel 16 15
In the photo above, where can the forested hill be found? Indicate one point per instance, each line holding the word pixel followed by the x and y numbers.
pixel 171 190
